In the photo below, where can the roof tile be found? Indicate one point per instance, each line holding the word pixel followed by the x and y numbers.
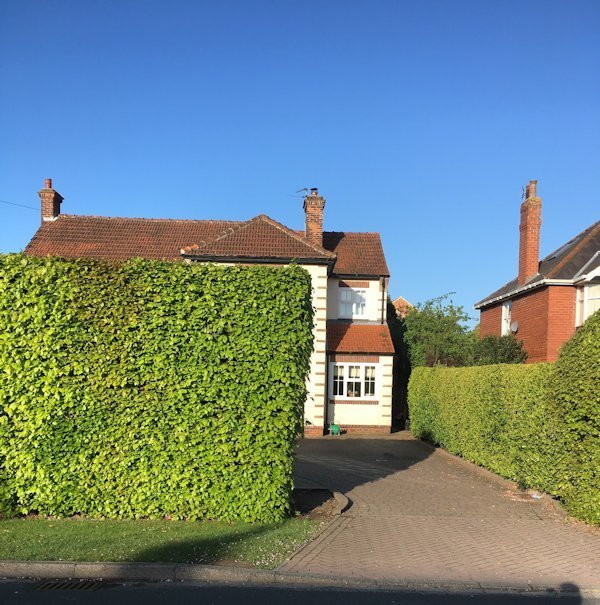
pixel 346 337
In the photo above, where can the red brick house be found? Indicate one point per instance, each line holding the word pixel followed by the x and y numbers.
pixel 401 305
pixel 350 381
pixel 549 299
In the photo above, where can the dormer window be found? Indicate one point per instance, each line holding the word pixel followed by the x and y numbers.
pixel 352 303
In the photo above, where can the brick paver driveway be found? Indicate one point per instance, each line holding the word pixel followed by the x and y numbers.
pixel 419 514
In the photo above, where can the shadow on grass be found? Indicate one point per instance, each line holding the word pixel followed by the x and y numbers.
pixel 240 546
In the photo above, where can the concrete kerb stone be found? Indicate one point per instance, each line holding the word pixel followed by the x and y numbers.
pixel 224 575
pixel 342 503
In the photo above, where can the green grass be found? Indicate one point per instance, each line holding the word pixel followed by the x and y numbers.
pixel 41 539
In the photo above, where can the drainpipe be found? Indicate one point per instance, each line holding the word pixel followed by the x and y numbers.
pixel 382 290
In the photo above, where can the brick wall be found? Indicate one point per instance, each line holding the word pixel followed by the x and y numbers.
pixel 531 311
pixel 561 318
pixel 490 319
pixel 546 319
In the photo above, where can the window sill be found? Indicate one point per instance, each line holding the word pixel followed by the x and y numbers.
pixel 354 401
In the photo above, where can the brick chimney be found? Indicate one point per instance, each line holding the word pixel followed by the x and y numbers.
pixel 313 208
pixel 50 202
pixel 529 234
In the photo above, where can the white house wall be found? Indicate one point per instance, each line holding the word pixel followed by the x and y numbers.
pixel 364 413
pixel 316 385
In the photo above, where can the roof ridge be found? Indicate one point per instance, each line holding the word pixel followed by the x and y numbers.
pixel 592 231
pixel 294 235
pixel 260 217
pixel 141 218
pixel 225 233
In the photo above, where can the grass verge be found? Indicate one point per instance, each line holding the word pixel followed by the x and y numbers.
pixel 261 545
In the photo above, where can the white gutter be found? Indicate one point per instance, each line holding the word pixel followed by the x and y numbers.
pixel 525 288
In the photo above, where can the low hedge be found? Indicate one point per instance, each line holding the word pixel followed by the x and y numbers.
pixel 537 424
pixel 150 389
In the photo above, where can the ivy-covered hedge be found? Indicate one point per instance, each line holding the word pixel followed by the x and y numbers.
pixel 537 424
pixel 150 389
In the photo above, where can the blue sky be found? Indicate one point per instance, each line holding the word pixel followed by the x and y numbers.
pixel 420 120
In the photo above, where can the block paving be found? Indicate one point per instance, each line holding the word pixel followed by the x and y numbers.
pixel 419 514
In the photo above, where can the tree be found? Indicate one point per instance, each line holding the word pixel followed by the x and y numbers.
pixel 498 349
pixel 436 333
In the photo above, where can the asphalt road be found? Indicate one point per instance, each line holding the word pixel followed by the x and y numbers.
pixel 25 593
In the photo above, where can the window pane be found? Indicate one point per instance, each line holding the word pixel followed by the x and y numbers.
pixel 338 380
pixel 346 310
pixel 593 306
pixel 353 389
pixel 359 302
pixel 369 381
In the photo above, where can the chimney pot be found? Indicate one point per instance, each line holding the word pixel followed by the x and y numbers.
pixel 48 183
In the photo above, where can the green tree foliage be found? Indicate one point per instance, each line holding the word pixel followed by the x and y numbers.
pixel 498 349
pixel 436 334
pixel 538 424
pixel 147 389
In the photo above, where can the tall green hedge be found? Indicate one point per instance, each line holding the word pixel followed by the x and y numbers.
pixel 575 402
pixel 486 414
pixel 537 424
pixel 149 388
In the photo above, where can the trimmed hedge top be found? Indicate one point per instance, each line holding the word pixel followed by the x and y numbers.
pixel 150 389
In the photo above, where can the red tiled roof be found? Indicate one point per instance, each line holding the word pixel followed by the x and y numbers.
pixel 345 337
pixel 260 237
pixel 402 306
pixel 357 253
pixel 73 236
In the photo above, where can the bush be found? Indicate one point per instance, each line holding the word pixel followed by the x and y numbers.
pixel 537 424
pixel 147 389
pixel 498 349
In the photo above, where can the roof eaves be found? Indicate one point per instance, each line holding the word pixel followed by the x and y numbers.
pixel 262 259
pixel 486 302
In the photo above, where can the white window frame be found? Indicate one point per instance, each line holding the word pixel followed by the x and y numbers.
pixel 346 379
pixel 359 307
pixel 506 318
pixel 585 294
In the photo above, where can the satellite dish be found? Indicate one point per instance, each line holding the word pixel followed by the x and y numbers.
pixel 514 327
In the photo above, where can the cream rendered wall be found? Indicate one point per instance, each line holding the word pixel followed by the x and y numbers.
pixel 374 300
pixel 365 414
pixel 316 384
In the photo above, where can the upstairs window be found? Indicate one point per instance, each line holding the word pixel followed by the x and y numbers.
pixel 506 309
pixel 352 303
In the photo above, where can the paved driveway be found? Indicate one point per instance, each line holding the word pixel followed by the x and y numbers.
pixel 419 514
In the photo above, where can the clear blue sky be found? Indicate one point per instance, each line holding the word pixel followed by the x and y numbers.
pixel 420 120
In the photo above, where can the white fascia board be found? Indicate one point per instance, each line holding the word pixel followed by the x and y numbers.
pixel 517 291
